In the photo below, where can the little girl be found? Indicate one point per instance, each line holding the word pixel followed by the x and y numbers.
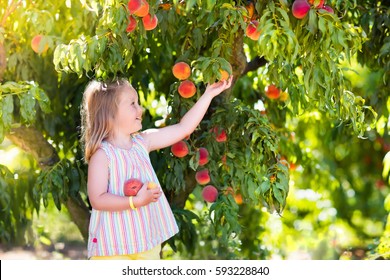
pixel 129 227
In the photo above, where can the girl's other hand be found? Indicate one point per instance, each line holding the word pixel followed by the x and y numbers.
pixel 146 196
pixel 218 87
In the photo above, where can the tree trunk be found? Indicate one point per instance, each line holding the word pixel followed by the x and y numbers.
pixel 32 141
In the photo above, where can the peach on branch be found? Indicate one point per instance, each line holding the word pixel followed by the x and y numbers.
pixel 132 186
pixel 210 193
pixel 132 24
pixel 250 8
pixel 317 3
pixel 149 22
pixel 328 9
pixel 300 8
pixel 36 44
pixel 181 70
pixel 203 156
pixel 202 177
pixel 143 10
pixel 225 74
pixel 252 30
pixel 180 149
pixel 134 5
pixel 220 134
pixel 187 89
pixel 283 96
pixel 272 92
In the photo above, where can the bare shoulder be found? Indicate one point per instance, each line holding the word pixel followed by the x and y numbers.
pixel 99 158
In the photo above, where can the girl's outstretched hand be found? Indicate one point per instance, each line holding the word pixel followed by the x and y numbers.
pixel 218 87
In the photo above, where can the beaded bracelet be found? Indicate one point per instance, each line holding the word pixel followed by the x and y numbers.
pixel 131 203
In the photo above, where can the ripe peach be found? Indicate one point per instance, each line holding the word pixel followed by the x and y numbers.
pixel 225 74
pixel 181 70
pixel 300 8
pixel 328 9
pixel 149 22
pixel 132 186
pixel 220 134
pixel 152 185
pixel 283 96
pixel 36 44
pixel 320 3
pixel 210 193
pixel 187 89
pixel 202 177
pixel 272 92
pixel 203 156
pixel 238 198
pixel 250 7
pixel 134 5
pixel 223 159
pixel 251 30
pixel 180 149
pixel 132 24
pixel 143 10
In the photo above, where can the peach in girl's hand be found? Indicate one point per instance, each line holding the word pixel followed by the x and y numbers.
pixel 132 186
pixel 152 185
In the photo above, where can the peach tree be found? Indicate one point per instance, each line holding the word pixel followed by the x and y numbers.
pixel 296 117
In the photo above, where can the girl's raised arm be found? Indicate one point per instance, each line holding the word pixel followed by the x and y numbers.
pixel 167 136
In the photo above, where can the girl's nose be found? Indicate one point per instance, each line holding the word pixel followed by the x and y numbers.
pixel 140 109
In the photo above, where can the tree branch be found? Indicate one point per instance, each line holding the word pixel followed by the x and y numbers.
pixel 254 64
pixel 13 5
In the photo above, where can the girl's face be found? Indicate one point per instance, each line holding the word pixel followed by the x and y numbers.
pixel 128 118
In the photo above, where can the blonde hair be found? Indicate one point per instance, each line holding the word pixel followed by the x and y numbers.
pixel 100 104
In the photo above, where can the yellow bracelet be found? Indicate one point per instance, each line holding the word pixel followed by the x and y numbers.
pixel 131 203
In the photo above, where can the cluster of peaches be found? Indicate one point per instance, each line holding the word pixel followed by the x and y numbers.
pixel 301 8
pixel 202 176
pixel 187 89
pixel 182 71
pixel 140 8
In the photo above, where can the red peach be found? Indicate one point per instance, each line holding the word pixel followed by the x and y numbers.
pixel 187 89
pixel 181 70
pixel 149 22
pixel 36 44
pixel 132 186
pixel 300 8
pixel 251 30
pixel 134 5
pixel 202 177
pixel 272 92
pixel 143 10
pixel 180 149
pixel 210 193
pixel 328 9
pixel 220 134
pixel 203 156
pixel 132 24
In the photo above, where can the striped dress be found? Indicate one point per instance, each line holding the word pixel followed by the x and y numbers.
pixel 130 231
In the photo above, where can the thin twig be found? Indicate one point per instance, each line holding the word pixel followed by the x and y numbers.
pixel 9 10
